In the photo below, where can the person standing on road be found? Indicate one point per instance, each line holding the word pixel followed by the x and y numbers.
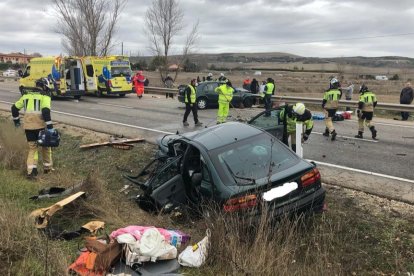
pixel 406 97
pixel 365 111
pixel 36 105
pixel 190 104
pixel 222 78
pixel 269 90
pixel 138 82
pixel 169 83
pixel 209 77
pixel 330 101
pixel 225 96
pixel 292 114
pixel 349 91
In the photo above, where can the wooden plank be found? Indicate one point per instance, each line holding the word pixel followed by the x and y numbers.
pixel 113 142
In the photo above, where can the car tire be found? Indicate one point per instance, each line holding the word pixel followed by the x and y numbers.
pixel 248 102
pixel 121 95
pixel 202 103
pixel 77 97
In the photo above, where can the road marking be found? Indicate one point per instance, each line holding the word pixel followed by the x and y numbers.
pixel 362 171
pixel 351 138
pixel 104 121
pixel 165 132
pixel 382 124
pixel 116 105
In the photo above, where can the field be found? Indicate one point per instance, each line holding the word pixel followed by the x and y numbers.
pixel 302 83
pixel 359 234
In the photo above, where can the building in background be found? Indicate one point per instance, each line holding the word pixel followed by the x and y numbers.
pixel 17 58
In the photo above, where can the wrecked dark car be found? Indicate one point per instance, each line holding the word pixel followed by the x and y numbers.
pixel 234 165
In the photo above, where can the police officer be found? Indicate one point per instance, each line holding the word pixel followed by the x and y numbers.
pixel 365 111
pixel 190 103
pixel 330 102
pixel 269 90
pixel 225 91
pixel 290 115
pixel 36 104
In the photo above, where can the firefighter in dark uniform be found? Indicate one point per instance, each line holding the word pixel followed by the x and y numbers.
pixel 365 112
pixel 36 104
pixel 292 114
pixel 190 104
pixel 330 102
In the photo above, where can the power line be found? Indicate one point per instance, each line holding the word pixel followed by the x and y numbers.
pixel 317 41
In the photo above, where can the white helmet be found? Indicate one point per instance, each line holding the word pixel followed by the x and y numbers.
pixel 299 108
pixel 221 74
pixel 210 74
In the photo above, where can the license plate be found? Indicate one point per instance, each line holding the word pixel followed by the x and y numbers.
pixel 280 191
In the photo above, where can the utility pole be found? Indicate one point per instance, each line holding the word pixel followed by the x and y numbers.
pixel 122 47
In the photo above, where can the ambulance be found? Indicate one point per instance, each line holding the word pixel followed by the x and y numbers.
pixel 109 75
pixel 65 75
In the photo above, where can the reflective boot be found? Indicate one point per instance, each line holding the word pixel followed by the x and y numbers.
pixel 333 135
pixel 359 135
pixel 326 133
pixel 373 132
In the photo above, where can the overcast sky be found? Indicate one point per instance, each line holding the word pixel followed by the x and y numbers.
pixel 319 28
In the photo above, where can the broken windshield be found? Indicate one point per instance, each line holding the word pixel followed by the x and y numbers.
pixel 120 71
pixel 252 159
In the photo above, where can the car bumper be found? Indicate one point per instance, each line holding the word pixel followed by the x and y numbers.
pixel 308 203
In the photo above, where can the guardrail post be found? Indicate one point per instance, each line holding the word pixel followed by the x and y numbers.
pixel 299 130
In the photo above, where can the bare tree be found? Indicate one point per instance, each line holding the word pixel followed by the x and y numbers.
pixel 88 26
pixel 164 20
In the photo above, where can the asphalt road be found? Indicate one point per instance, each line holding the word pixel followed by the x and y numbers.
pixel 153 116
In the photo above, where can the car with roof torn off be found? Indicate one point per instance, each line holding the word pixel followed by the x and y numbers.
pixel 240 167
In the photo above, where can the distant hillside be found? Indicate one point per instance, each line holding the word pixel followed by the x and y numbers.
pixel 279 57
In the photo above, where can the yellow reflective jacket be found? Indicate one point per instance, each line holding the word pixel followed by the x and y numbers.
pixel 33 104
pixel 225 93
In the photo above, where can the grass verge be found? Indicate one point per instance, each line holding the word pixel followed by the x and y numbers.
pixel 359 234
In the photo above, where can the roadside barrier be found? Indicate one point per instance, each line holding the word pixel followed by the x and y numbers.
pixel 305 100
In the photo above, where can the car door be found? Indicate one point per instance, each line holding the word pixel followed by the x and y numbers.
pixel 272 124
pixel 208 91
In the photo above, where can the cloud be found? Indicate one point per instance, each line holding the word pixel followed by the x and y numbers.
pixel 324 28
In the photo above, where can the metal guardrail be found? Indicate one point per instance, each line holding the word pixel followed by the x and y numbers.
pixel 305 100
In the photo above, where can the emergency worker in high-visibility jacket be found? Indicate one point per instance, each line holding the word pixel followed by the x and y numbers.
pixel 139 80
pixel 269 90
pixel 225 92
pixel 190 97
pixel 365 112
pixel 292 114
pixel 330 103
pixel 36 105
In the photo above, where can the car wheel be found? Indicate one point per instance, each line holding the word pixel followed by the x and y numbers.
pixel 121 95
pixel 77 97
pixel 202 103
pixel 248 102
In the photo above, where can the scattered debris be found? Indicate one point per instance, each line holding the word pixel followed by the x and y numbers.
pixel 118 143
pixel 55 191
pixel 43 215
pixel 92 227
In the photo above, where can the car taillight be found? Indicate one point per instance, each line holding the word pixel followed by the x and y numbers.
pixel 310 177
pixel 110 83
pixel 243 202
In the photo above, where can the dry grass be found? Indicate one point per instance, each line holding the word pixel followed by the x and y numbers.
pixel 292 246
pixel 13 146
pixel 23 250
